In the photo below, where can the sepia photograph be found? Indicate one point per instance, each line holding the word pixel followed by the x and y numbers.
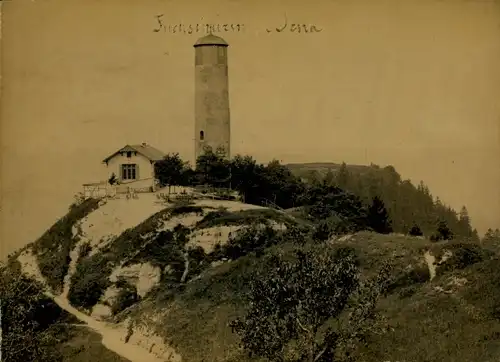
pixel 236 180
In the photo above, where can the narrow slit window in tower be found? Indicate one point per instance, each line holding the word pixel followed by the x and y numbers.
pixel 202 135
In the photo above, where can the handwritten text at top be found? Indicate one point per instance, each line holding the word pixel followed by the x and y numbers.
pixel 285 26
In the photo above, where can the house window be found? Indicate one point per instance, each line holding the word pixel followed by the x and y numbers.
pixel 129 154
pixel 202 135
pixel 129 172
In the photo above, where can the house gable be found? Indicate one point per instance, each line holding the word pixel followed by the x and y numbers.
pixel 151 153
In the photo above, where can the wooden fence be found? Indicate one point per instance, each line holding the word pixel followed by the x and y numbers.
pixel 104 189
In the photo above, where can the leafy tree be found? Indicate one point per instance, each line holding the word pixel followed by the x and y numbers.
pixel 170 171
pixel 378 218
pixel 293 298
pixel 213 169
pixel 31 322
pixel 333 203
pixel 246 177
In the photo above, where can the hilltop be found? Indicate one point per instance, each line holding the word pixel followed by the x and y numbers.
pixel 127 258
pixel 324 167
pixel 107 254
pixel 164 276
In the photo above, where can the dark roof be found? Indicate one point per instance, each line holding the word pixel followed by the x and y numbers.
pixel 210 39
pixel 146 150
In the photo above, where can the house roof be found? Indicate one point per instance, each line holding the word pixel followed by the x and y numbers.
pixel 151 153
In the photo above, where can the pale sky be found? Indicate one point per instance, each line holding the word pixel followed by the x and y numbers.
pixel 415 84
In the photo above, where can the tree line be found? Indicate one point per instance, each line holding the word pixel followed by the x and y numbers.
pixel 343 200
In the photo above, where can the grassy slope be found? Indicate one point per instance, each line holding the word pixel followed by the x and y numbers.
pixel 428 325
pixel 144 244
pixel 53 247
pixel 85 346
pixel 439 326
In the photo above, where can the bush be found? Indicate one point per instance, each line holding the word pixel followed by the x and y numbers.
pixel 53 247
pixel 292 299
pixel 443 232
pixel 462 256
pixel 333 225
pixel 125 298
pixel 417 275
pixel 415 231
pixel 32 324
pixel 84 250
pixel 182 209
pixel 249 239
pixel 89 281
pixel 407 292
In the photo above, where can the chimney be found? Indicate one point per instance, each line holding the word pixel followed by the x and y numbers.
pixel 144 144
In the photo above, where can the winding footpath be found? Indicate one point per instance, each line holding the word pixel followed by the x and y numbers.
pixel 112 335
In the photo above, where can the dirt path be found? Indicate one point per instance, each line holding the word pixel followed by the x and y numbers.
pixel 113 336
pixel 431 264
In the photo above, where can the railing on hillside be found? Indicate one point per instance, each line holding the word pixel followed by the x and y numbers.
pixel 98 189
pixel 104 189
pixel 271 204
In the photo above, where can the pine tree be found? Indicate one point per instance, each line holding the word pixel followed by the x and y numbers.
pixel 464 226
pixel 329 178
pixel 444 231
pixel 378 217
pixel 342 178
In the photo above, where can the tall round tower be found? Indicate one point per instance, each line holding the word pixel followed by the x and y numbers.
pixel 212 125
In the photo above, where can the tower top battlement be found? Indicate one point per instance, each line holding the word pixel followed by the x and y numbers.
pixel 211 39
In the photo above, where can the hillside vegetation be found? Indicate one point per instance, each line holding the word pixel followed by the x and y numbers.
pixel 302 270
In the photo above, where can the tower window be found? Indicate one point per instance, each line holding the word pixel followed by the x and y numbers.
pixel 198 57
pixel 129 154
pixel 202 135
pixel 221 55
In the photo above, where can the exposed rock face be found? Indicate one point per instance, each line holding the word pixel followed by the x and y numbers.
pixel 143 276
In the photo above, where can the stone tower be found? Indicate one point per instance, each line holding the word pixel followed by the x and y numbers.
pixel 212 125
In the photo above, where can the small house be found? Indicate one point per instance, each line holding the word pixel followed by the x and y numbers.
pixel 134 166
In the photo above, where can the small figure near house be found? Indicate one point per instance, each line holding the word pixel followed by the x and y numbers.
pixel 113 180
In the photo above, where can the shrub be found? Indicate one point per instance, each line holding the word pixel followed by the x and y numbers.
pixel 89 281
pixel 292 299
pixel 415 231
pixel 407 292
pixel 53 247
pixel 84 250
pixel 125 298
pixel 444 232
pixel 462 255
pixel 32 324
pixel 334 225
pixel 182 209
pixel 249 239
pixel 416 275
pixel 322 231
